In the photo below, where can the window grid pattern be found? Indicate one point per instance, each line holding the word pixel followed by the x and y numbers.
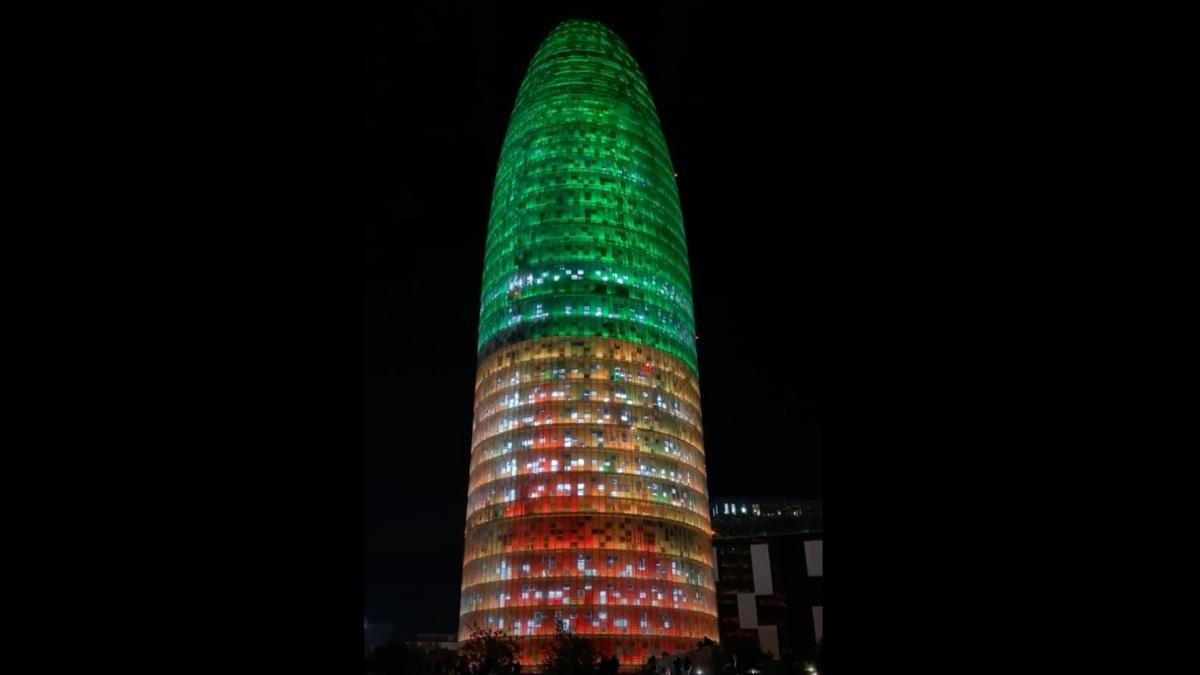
pixel 585 235
pixel 587 501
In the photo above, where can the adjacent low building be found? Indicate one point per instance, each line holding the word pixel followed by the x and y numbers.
pixel 447 641
pixel 769 573
pixel 375 635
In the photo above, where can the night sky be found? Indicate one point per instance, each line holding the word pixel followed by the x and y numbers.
pixel 739 96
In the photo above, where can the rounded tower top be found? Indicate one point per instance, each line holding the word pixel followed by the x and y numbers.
pixel 585 235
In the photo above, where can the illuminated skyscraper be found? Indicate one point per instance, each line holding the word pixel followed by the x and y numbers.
pixel 588 501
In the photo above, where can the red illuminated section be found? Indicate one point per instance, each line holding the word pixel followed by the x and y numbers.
pixel 587 500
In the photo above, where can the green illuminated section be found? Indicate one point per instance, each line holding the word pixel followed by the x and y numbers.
pixel 585 236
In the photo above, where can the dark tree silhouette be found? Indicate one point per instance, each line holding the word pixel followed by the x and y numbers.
pixel 491 652
pixel 569 654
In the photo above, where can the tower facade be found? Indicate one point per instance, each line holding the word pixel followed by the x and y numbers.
pixel 587 500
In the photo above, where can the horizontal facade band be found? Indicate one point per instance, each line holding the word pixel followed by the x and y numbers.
pixel 563 462
pixel 644 441
pixel 514 494
pixel 588 592
pixel 595 398
pixel 607 352
pixel 563 419
pixel 690 567
pixel 597 506
pixel 603 566
pixel 566 532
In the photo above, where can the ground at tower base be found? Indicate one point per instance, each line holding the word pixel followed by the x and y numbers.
pixel 488 654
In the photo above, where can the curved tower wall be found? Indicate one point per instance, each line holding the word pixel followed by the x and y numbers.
pixel 588 501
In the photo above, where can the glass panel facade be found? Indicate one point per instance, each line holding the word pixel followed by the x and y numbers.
pixel 585 236
pixel 587 499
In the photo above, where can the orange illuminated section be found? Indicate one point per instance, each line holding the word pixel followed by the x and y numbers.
pixel 587 499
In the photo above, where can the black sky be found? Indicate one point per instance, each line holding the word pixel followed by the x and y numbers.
pixel 739 95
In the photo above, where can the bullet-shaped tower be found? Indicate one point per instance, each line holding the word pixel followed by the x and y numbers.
pixel 588 502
